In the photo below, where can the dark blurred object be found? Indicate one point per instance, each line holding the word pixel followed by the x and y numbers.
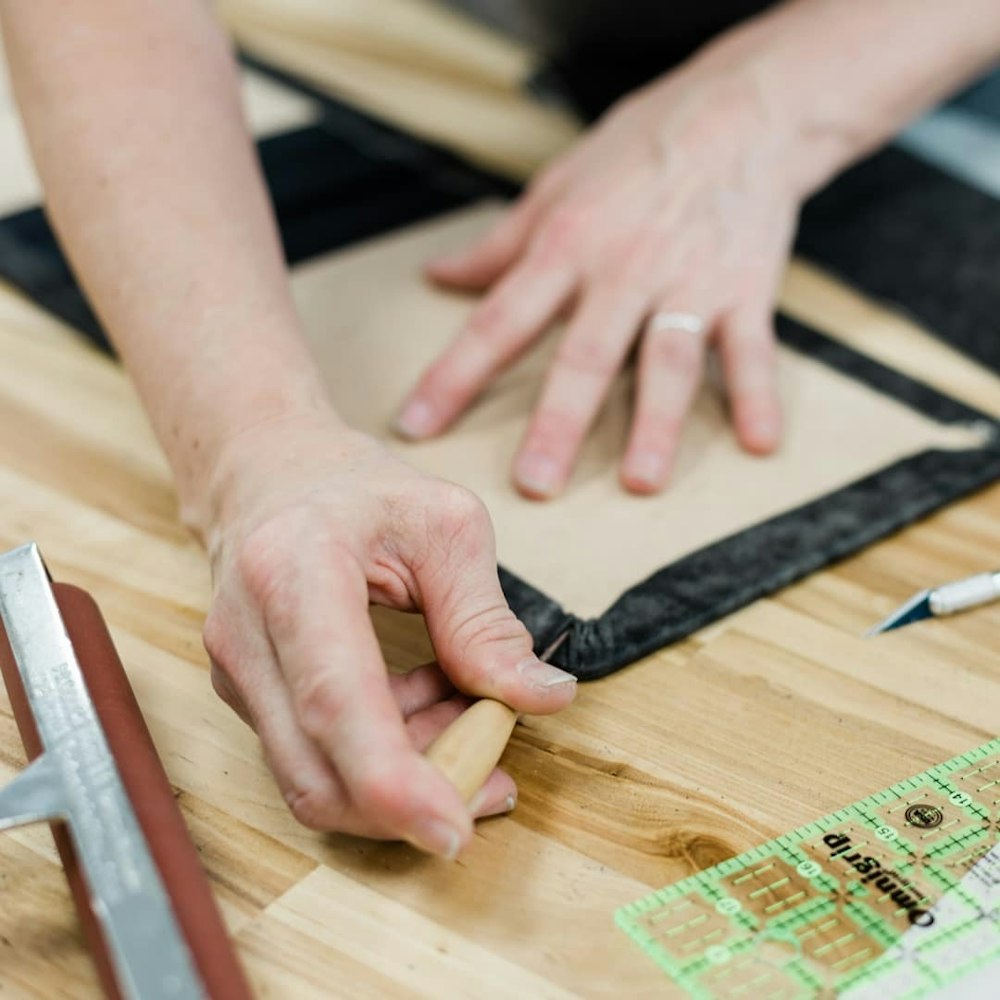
pixel 598 50
pixel 343 180
pixel 983 97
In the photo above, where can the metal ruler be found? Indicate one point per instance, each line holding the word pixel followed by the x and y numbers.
pixel 76 780
pixel 895 896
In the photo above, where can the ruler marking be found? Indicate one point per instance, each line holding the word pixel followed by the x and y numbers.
pixel 783 924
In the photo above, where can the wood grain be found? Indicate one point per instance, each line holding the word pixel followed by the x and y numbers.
pixel 759 723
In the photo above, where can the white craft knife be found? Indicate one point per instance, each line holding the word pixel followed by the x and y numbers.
pixel 949 598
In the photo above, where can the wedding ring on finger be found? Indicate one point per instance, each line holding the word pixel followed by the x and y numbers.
pixel 685 322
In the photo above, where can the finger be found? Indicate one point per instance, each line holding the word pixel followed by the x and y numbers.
pixel 497 797
pixel 245 674
pixel 226 690
pixel 478 641
pixel 592 352
pixel 482 263
pixel 317 619
pixel 671 366
pixel 499 793
pixel 750 363
pixel 500 328
pixel 420 688
pixel 425 726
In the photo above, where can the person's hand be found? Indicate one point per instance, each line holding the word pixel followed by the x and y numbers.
pixel 677 202
pixel 310 524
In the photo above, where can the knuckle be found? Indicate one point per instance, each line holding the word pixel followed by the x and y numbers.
pixel 636 261
pixel 562 231
pixel 658 424
pixel 215 635
pixel 259 564
pixel 554 431
pixel 319 703
pixel 460 513
pixel 376 793
pixel 491 321
pixel 484 628
pixel 631 282
pixel 312 805
pixel 456 532
pixel 589 357
pixel 451 381
pixel 683 352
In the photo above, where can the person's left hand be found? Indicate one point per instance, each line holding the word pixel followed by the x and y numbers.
pixel 678 202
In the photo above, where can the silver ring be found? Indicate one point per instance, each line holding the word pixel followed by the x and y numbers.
pixel 685 322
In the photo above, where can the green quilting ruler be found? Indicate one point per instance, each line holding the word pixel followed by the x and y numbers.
pixel 897 895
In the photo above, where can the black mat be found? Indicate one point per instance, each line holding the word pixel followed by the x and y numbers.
pixel 351 177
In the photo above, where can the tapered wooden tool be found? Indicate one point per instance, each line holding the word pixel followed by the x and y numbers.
pixel 469 749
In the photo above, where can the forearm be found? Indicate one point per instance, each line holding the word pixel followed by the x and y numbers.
pixel 132 112
pixel 845 75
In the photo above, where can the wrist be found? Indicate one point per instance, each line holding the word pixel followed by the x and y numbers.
pixel 806 132
pixel 835 89
pixel 216 483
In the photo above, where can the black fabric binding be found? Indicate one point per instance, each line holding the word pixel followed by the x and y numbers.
pixel 351 177
pixel 346 179
pixel 735 571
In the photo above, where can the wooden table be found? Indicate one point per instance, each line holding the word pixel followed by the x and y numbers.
pixel 761 722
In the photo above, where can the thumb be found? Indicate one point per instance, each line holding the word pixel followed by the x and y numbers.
pixel 481 264
pixel 479 642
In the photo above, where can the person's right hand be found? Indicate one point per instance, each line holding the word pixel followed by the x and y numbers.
pixel 308 524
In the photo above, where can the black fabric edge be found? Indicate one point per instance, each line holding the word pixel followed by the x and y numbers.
pixel 841 524
pixel 905 389
pixel 733 572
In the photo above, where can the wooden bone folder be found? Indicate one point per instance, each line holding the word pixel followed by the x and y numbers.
pixel 147 911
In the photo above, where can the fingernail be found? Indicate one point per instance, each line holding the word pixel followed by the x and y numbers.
pixel 543 675
pixel 537 473
pixel 436 837
pixel 416 419
pixel 479 800
pixel 647 467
